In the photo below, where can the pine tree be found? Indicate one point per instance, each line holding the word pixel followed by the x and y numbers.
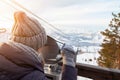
pixel 110 48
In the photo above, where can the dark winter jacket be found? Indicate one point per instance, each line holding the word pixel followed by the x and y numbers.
pixel 20 62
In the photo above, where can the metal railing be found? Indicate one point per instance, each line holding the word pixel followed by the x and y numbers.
pixel 97 73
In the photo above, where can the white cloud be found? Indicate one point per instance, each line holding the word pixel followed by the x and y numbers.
pixel 82 22
pixel 72 11
pixel 94 13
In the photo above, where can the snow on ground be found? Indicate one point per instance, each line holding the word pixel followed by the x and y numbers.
pixel 88 58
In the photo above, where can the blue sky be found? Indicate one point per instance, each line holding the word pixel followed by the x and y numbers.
pixel 84 15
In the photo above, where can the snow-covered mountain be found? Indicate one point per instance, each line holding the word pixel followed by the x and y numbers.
pixel 79 39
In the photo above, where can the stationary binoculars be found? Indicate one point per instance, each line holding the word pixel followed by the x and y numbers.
pixel 50 51
pixel 51 54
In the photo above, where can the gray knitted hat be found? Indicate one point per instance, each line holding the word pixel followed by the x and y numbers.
pixel 28 31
